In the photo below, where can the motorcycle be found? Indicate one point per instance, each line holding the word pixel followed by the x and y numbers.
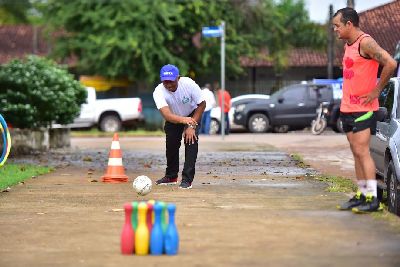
pixel 320 123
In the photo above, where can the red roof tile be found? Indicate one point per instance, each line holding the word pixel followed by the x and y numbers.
pixel 16 41
pixel 298 57
pixel 383 24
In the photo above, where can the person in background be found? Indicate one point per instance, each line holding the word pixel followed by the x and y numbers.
pixel 226 106
pixel 209 97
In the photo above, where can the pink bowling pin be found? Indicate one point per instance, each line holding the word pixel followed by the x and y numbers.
pixel 127 235
pixel 149 217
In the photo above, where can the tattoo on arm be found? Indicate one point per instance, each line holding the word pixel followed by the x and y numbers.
pixel 375 52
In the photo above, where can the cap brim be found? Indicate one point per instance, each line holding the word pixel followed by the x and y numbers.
pixel 168 78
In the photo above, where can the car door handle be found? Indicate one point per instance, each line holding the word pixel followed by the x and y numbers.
pixel 300 104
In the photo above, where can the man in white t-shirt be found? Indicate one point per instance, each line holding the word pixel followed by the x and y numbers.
pixel 180 102
pixel 210 104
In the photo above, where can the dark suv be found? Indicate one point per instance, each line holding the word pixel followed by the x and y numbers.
pixel 292 107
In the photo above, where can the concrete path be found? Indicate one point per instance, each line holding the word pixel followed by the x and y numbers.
pixel 250 206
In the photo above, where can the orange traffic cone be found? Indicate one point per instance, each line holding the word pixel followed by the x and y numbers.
pixel 115 171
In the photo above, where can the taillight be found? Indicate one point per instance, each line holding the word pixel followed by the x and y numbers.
pixel 140 106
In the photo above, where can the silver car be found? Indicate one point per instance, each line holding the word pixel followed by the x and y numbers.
pixel 236 102
pixel 385 145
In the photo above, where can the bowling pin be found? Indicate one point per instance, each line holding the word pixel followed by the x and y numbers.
pixel 134 215
pixel 153 202
pixel 171 236
pixel 142 235
pixel 164 224
pixel 127 235
pixel 149 218
pixel 157 235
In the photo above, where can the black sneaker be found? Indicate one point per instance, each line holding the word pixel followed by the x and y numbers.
pixel 185 185
pixel 371 204
pixel 167 181
pixel 355 201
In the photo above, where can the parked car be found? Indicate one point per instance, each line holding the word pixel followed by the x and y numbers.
pixel 292 107
pixel 385 145
pixel 108 114
pixel 236 102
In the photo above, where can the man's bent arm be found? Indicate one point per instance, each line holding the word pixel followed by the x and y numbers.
pixel 373 50
pixel 198 112
pixel 171 117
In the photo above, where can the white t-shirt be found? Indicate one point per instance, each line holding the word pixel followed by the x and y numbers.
pixel 183 101
pixel 209 98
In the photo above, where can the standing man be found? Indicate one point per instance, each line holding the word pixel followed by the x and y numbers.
pixel 180 102
pixel 209 97
pixel 359 104
pixel 226 106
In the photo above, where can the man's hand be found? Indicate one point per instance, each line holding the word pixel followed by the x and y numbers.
pixel 189 121
pixel 368 98
pixel 190 135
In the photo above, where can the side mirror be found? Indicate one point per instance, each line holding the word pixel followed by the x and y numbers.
pixel 280 100
pixel 381 114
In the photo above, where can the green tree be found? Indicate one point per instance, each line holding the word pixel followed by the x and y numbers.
pixel 21 11
pixel 14 12
pixel 282 26
pixel 135 38
pixel 36 92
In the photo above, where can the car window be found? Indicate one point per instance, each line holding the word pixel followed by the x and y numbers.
pixel 386 98
pixel 324 94
pixel 294 94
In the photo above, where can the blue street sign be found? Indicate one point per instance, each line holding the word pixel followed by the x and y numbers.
pixel 212 31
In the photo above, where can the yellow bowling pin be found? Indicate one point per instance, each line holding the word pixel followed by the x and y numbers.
pixel 142 235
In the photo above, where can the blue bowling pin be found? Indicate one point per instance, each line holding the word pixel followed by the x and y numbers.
pixel 157 235
pixel 171 236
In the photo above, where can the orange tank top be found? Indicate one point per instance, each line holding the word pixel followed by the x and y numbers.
pixel 359 78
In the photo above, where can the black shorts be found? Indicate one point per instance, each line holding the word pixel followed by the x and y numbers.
pixel 358 121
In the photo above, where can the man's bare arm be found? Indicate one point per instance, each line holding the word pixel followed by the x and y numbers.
pixel 171 117
pixel 371 48
pixel 198 112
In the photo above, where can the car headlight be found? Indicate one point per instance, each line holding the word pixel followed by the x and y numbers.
pixel 240 108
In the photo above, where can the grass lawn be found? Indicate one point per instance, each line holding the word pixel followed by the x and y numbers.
pixel 11 174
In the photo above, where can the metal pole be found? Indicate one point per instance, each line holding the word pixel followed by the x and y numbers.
pixel 222 79
pixel 330 44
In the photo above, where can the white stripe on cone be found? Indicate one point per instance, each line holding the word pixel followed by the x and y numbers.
pixel 115 145
pixel 114 162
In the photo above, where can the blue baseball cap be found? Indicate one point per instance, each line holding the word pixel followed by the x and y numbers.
pixel 169 73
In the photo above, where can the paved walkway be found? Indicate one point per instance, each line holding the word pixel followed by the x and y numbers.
pixel 250 206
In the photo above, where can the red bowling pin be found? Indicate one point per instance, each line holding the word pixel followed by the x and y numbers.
pixel 149 217
pixel 127 235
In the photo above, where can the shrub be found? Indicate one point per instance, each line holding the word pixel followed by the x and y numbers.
pixel 36 92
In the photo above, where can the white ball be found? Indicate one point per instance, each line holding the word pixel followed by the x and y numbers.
pixel 142 184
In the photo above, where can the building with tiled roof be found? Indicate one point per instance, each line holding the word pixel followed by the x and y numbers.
pixel 383 24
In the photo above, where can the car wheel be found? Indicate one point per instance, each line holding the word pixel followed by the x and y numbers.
pixel 110 123
pixel 281 129
pixel 258 123
pixel 393 191
pixel 214 126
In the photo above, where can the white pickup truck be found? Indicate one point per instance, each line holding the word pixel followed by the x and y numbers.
pixel 108 114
